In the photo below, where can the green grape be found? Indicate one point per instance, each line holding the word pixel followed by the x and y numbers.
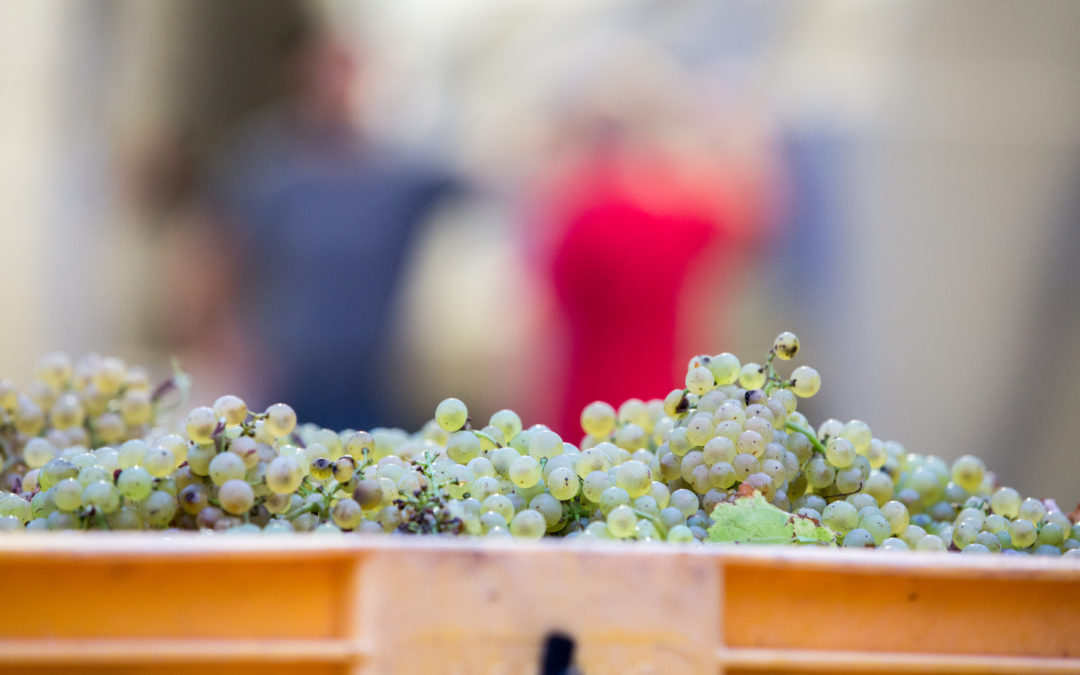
pixel 102 496
pixel 56 470
pixel 894 544
pixel 545 444
pixel 501 505
pixel 508 422
pixel 750 442
pixel 463 446
pixel 528 525
pixel 1022 533
pixel 699 380
pixel 284 475
pixel 1030 509
pixel 598 419
pixel 524 472
pixel 136 409
pixel 967 472
pixel 67 412
pixel 634 477
pixel 859 538
pixel 1052 534
pixel 280 420
pixel 686 501
pixel 722 475
pixel 1006 502
pixel 135 483
pixel 931 542
pixel 231 409
pixel 563 483
pixel 752 376
pixel 67 494
pixel 225 467
pixel 38 452
pixel 27 417
pixel 594 485
pixel 927 484
pixel 964 533
pixel 451 414
pixel 550 508
pixel 786 345
pixel 612 497
pixel 719 449
pixel 699 429
pixel 622 521
pixel 744 465
pixel 132 453
pixel 840 452
pixel 347 514
pixel 805 382
pixel 680 534
pixel 725 368
pixel 159 462
pixel 201 424
pixel 897 515
pixel 344 468
pixel 879 486
pixel 841 517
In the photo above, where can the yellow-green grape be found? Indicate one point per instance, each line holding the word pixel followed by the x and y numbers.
pixel 725 368
pixel 135 483
pixel 38 452
pixel 347 514
pixel 463 446
pixel 563 483
pixel 595 484
pixel 343 468
pixel 1022 532
pixel 159 508
pixel 109 375
pixel 598 419
pixel 232 409
pixel 137 379
pixel 451 414
pixel 528 525
pixel 132 453
pixel 175 444
pixel 622 521
pixel 135 408
pixel 193 498
pixel 752 376
pixel 898 516
pixel 1030 509
pixel 805 381
pixel 550 508
pixel 321 469
pixel 786 345
pixel 67 412
pixel 236 496
pixel 1005 502
pixel 246 449
pixel 9 395
pixel 226 466
pixel 67 494
pixel 55 369
pixel 545 444
pixel 360 444
pixel 675 402
pixel 280 420
pixel 699 429
pixel 525 471
pixel 508 422
pixel 284 475
pixel 634 410
pixel 858 432
pixel 840 452
pixel 967 472
pixel 27 418
pixel 102 495
pixel 634 477
pixel 201 424
pixel 278 504
pixel 699 380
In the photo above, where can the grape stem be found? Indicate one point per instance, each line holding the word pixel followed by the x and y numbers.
pixel 809 434
pixel 487 437
pixel 659 524
pixel 306 508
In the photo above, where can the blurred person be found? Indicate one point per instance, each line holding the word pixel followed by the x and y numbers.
pixel 645 244
pixel 310 225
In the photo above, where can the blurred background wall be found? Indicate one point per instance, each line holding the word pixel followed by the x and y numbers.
pixel 911 169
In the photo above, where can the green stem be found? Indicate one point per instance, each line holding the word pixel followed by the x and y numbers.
pixel 487 437
pixel 659 524
pixel 809 434
pixel 299 511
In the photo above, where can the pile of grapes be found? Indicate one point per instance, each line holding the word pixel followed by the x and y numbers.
pixel 85 447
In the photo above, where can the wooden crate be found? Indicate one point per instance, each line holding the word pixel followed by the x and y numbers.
pixel 144 603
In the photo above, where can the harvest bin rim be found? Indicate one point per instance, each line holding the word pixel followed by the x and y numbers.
pixel 403 604
pixel 151 544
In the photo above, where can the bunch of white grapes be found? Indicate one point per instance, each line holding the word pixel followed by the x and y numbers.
pixel 84 448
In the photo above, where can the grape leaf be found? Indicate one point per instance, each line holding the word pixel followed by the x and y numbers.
pixel 753 520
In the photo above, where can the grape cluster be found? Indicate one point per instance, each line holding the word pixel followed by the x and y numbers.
pixel 85 448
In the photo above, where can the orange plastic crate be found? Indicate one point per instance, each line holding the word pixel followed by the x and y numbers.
pixel 143 603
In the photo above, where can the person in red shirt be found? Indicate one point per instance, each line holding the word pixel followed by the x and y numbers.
pixel 643 244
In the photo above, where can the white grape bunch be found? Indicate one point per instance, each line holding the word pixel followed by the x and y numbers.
pixel 88 445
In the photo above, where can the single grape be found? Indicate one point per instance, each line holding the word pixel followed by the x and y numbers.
pixel 232 409
pixel 786 345
pixel 752 376
pixel 135 483
pixel 280 420
pixel 805 382
pixel 451 414
pixel 528 525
